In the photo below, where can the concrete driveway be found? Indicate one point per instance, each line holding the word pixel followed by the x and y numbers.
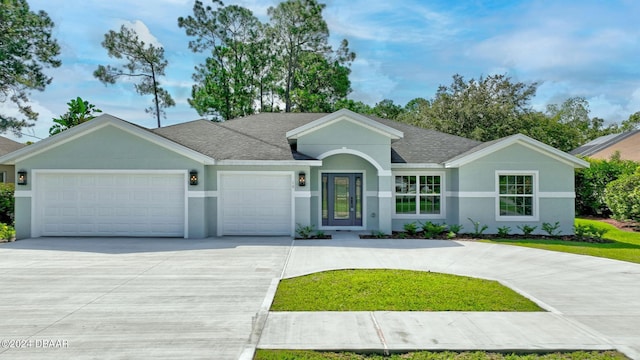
pixel 205 299
pixel 117 298
pixel 593 303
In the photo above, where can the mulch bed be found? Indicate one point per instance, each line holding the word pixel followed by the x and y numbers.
pixel 471 237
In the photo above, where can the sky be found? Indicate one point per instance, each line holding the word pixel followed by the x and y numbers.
pixel 405 49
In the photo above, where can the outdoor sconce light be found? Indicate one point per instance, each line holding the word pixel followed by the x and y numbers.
pixel 193 177
pixel 302 179
pixel 22 177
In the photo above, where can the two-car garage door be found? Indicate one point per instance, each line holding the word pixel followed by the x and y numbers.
pixel 109 204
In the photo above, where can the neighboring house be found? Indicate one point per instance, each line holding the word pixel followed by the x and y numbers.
pixel 627 144
pixel 7 172
pixel 263 174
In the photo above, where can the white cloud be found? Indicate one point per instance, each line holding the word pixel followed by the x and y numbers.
pixel 143 32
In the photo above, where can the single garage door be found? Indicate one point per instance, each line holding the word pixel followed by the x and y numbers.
pixel 256 204
pixel 110 204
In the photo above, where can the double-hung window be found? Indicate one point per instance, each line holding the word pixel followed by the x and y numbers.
pixel 517 196
pixel 418 194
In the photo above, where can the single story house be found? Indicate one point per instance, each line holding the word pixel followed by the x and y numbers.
pixel 627 144
pixel 7 172
pixel 264 174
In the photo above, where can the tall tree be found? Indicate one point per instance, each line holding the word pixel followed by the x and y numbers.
pixel 632 123
pixel 574 112
pixel 484 109
pixel 80 111
pixel 143 60
pixel 229 81
pixel 26 48
pixel 298 30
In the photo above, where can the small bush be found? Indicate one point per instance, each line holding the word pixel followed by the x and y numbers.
pixel 455 228
pixel 623 197
pixel 527 230
pixel 7 203
pixel 304 232
pixel 589 232
pixel 320 234
pixel 7 232
pixel 378 234
pixel 552 230
pixel 477 228
pixel 503 231
pixel 451 235
pixel 432 230
pixel 411 228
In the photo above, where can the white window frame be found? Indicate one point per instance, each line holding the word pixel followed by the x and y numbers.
pixel 535 197
pixel 417 215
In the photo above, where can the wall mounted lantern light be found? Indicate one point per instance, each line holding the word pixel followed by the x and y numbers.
pixel 193 177
pixel 22 177
pixel 302 179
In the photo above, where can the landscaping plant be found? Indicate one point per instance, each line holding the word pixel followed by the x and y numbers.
pixel 552 230
pixel 503 231
pixel 432 230
pixel 477 228
pixel 304 232
pixel 527 229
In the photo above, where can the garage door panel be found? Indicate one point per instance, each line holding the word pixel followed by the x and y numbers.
pixel 114 204
pixel 256 204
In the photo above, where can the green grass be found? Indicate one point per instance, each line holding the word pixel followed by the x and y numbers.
pixel 395 290
pixel 626 246
pixel 428 355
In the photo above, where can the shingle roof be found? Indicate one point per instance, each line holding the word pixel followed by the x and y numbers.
pixel 601 143
pixel 262 137
pixel 8 145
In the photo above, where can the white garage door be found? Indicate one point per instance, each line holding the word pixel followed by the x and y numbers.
pixel 113 204
pixel 256 204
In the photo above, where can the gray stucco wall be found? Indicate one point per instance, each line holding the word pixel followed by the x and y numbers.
pixel 348 135
pixel 111 148
pixel 477 186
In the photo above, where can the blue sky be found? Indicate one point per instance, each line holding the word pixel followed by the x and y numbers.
pixel 405 49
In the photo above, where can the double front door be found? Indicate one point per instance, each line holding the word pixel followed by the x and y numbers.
pixel 342 199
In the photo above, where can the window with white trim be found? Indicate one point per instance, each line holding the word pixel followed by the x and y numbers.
pixel 516 195
pixel 418 194
pixel 3 176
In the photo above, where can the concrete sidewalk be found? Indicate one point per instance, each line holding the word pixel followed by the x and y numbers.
pixel 593 303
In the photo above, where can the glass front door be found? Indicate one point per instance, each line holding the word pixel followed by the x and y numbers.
pixel 342 199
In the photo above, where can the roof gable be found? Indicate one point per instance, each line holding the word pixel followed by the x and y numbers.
pixel 8 145
pixel 96 124
pixel 490 147
pixel 345 115
pixel 603 142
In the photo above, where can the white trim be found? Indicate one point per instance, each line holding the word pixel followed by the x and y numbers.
pixel 417 174
pixel 202 194
pixel 491 194
pixel 36 172
pixel 364 200
pixel 525 141
pixel 385 194
pixel 405 166
pixel 23 193
pixel 557 195
pixel 348 115
pixel 302 194
pixel 96 124
pixel 536 195
pixel 471 194
pixel 358 153
pixel 270 162
pixel 220 202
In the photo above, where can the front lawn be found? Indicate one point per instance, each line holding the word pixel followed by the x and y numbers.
pixel 626 245
pixel 395 290
pixel 428 355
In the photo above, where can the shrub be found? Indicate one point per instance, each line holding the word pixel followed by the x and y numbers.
pixel 503 231
pixel 591 183
pixel 378 234
pixel 411 228
pixel 304 232
pixel 586 232
pixel 7 203
pixel 477 228
pixel 526 229
pixel 623 197
pixel 431 230
pixel 552 230
pixel 7 232
pixel 455 228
